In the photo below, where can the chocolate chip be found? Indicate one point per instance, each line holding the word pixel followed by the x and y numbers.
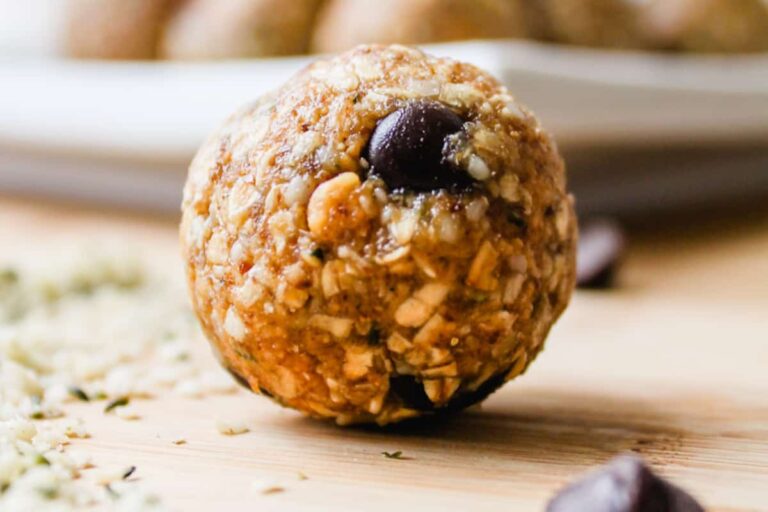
pixel 409 147
pixel 626 484
pixel 411 392
pixel 601 247
pixel 464 399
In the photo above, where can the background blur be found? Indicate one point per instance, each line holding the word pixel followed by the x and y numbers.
pixel 660 107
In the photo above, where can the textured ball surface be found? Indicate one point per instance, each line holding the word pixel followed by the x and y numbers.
pixel 329 287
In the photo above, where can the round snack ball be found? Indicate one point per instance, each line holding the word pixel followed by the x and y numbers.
pixel 227 29
pixel 115 29
pixel 387 236
pixel 598 23
pixel 709 25
pixel 343 24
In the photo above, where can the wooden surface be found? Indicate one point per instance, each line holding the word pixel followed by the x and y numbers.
pixel 672 365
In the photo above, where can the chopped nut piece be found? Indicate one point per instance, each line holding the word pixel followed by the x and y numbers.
pixel 447 370
pixel 432 294
pixel 397 343
pixel 520 365
pixel 430 331
pixel 481 271
pixel 441 390
pixel 403 229
pixel 329 196
pixel 413 313
pixel 477 168
pixel 234 325
pixel 512 288
pixel 329 279
pixel 422 261
pixel 394 256
pixel 338 327
pixel 357 361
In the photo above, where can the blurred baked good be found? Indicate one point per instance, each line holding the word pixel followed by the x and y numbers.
pixel 536 20
pixel 601 23
pixel 228 29
pixel 346 23
pixel 224 29
pixel 115 29
pixel 709 25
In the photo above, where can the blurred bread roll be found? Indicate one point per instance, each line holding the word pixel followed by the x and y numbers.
pixel 346 23
pixel 115 29
pixel 709 25
pixel 225 29
pixel 598 23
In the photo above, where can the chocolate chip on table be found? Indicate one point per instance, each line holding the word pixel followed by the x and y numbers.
pixel 408 148
pixel 626 484
pixel 601 248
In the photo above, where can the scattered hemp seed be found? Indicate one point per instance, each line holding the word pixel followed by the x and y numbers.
pixel 117 402
pixel 179 442
pixel 231 427
pixel 78 393
pixel 49 493
pixel 128 472
pixel 127 413
pixel 266 487
pixel 302 476
pixel 394 455
pixel 112 493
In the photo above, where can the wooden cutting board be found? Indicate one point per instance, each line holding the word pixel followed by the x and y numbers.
pixel 672 366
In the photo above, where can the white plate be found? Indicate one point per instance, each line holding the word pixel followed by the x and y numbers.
pixel 160 111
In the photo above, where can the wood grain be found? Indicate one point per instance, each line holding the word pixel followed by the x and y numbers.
pixel 672 366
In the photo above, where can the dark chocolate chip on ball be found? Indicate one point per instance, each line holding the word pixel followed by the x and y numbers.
pixel 625 484
pixel 410 391
pixel 409 148
pixel 465 399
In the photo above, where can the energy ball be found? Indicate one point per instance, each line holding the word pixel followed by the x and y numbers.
pixel 227 29
pixel 343 24
pixel 709 25
pixel 387 236
pixel 115 29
